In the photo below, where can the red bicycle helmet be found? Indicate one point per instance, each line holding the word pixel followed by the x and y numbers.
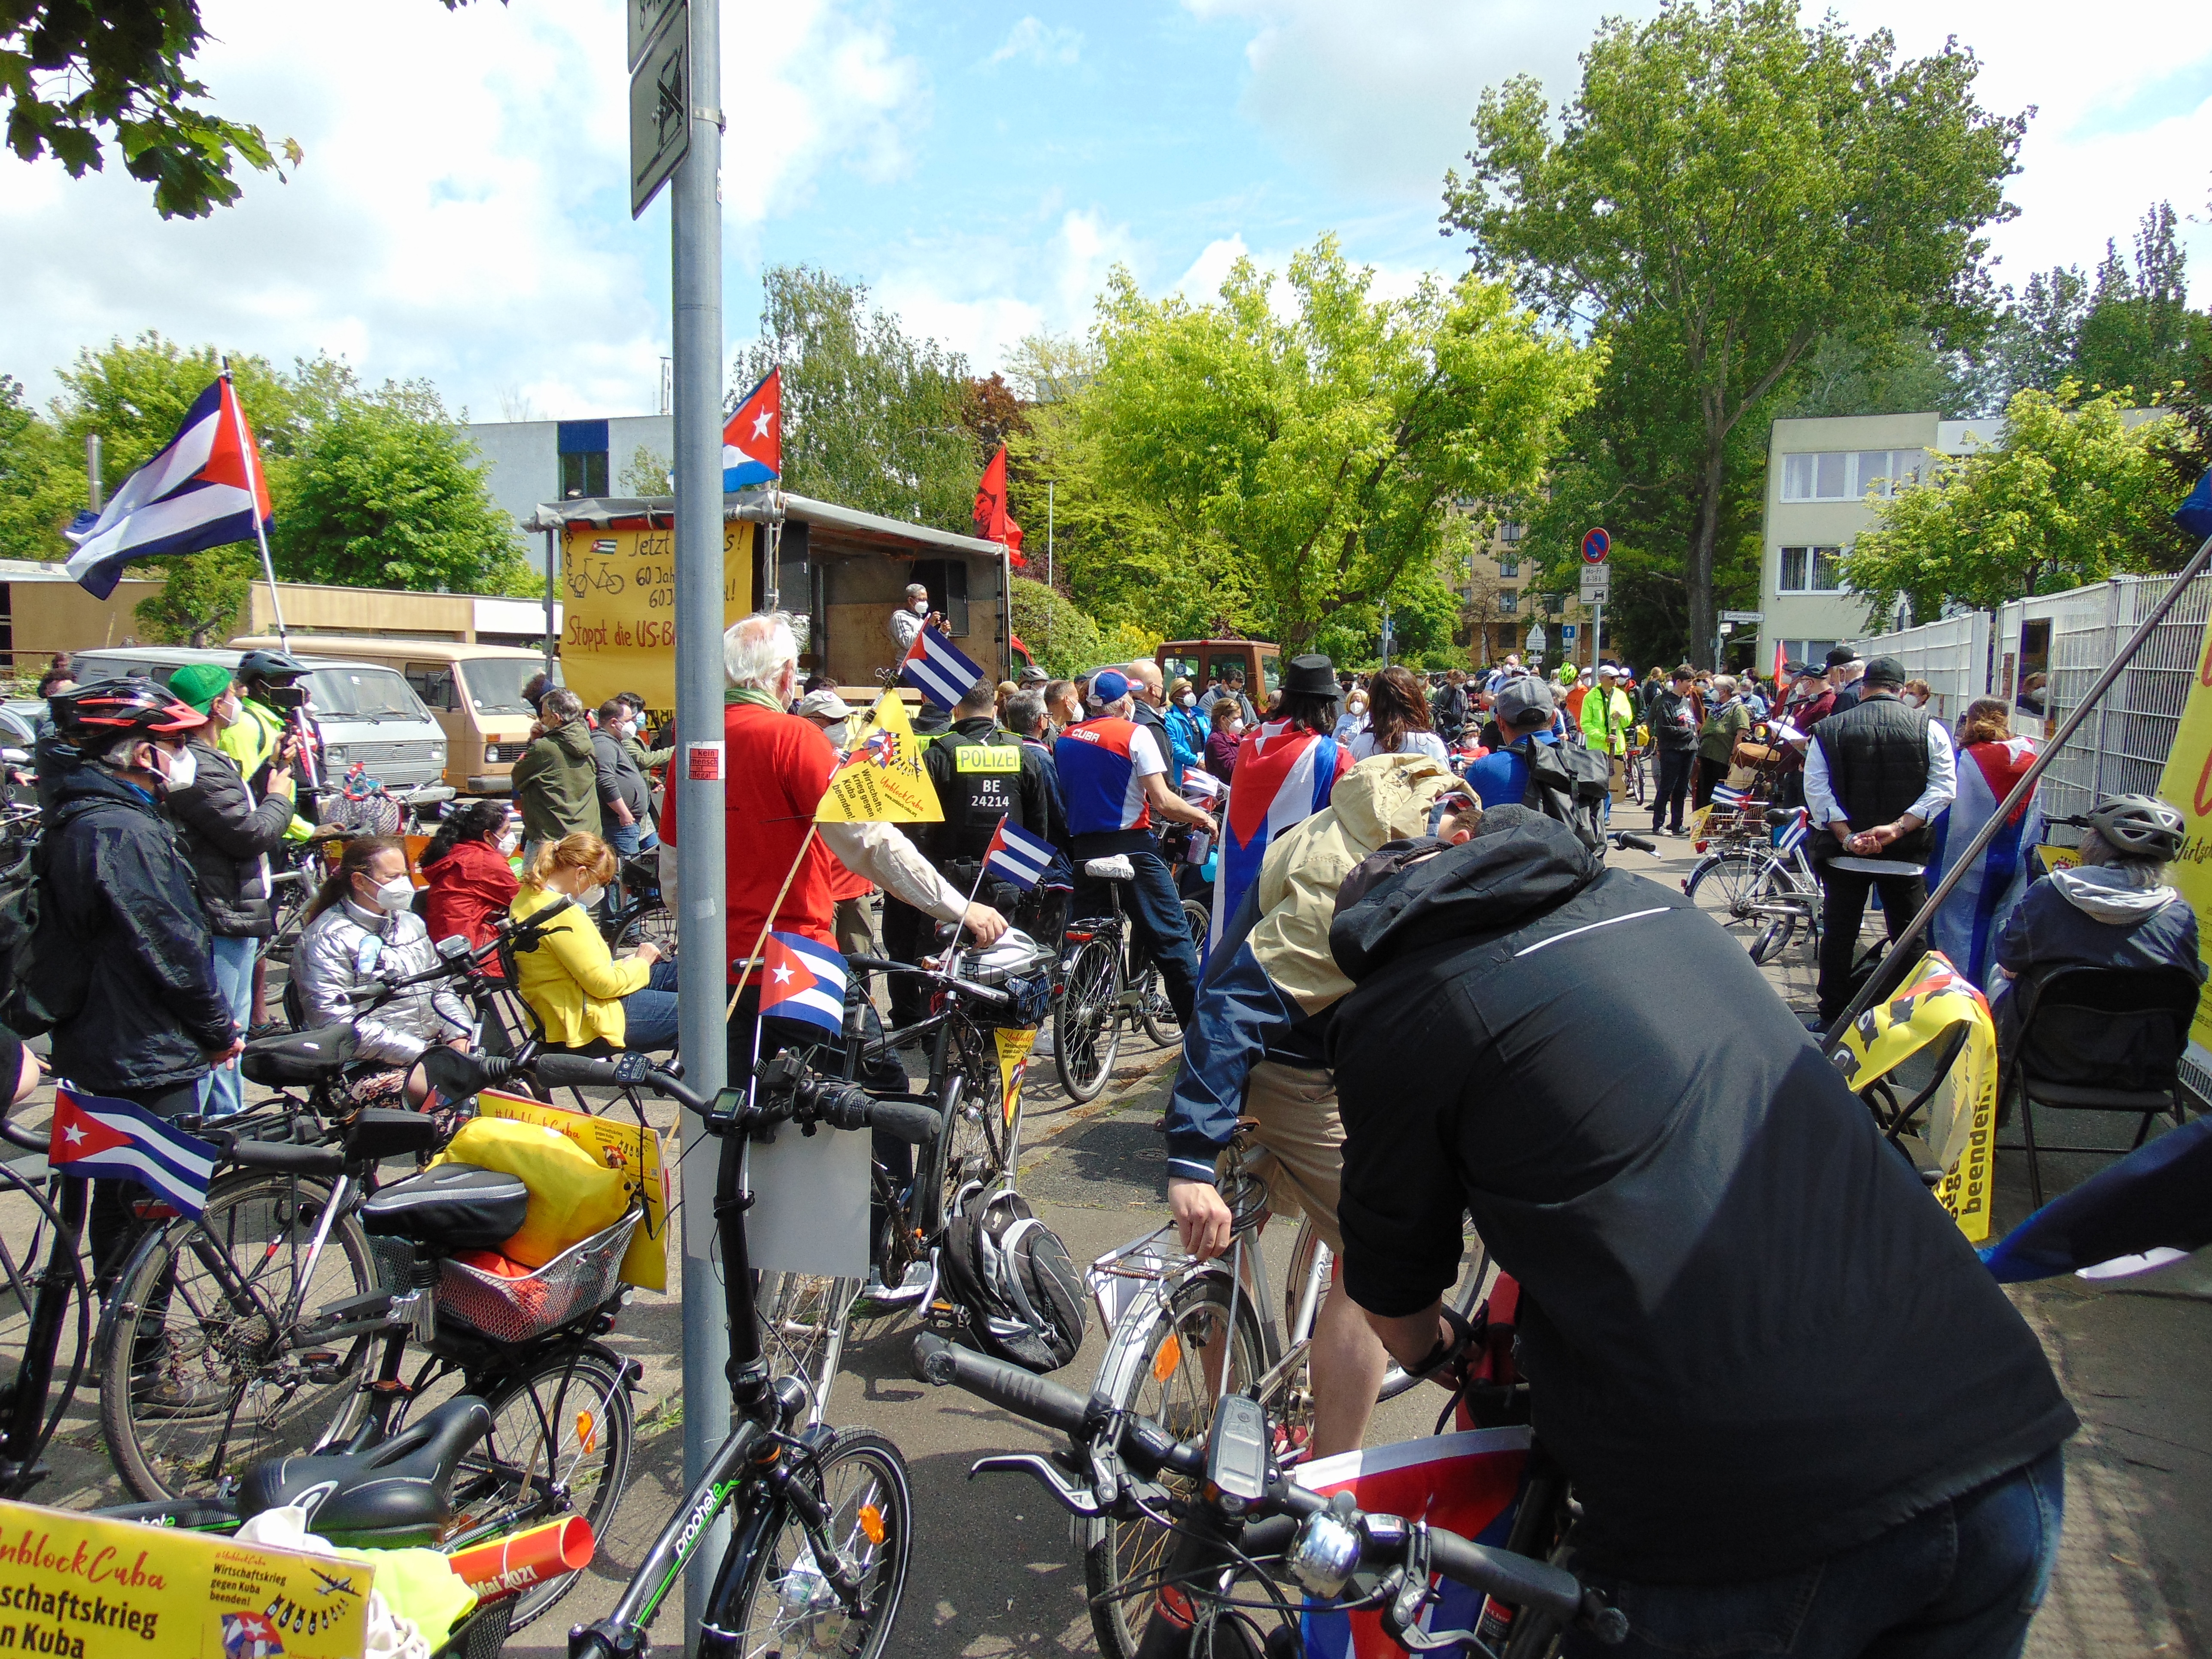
pixel 107 709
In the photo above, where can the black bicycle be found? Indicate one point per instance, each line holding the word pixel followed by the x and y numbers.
pixel 1108 980
pixel 1241 1528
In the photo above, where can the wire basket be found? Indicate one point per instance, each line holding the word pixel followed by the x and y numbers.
pixel 573 1282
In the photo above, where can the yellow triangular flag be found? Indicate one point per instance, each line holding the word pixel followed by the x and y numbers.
pixel 883 780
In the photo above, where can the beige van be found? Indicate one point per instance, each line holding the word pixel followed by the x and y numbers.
pixel 473 691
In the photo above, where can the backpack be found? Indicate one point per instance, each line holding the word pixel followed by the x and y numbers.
pixel 1568 782
pixel 38 987
pixel 1012 1276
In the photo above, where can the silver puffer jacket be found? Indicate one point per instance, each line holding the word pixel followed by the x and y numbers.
pixel 348 949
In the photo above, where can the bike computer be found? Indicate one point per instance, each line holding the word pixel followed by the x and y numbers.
pixel 1236 1449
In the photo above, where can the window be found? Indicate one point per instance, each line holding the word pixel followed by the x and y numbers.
pixel 583 446
pixel 1511 530
pixel 1508 601
pixel 1848 474
pixel 1811 570
pixel 1509 567
pixel 1814 651
pixel 433 683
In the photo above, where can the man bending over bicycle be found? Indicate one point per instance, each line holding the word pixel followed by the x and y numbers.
pixel 1255 1048
pixel 1798 1414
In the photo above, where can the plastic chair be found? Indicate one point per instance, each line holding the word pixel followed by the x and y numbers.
pixel 2097 1040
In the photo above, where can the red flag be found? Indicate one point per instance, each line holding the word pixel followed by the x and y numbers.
pixel 991 517
pixel 1781 665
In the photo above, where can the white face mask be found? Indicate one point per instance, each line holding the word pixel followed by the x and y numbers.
pixel 590 896
pixel 394 896
pixel 1910 701
pixel 838 733
pixel 509 842
pixel 176 768
pixel 920 607
pixel 1189 700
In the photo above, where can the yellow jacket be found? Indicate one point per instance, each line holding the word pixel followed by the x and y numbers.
pixel 572 981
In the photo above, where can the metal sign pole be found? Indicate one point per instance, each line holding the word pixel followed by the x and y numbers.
pixel 695 222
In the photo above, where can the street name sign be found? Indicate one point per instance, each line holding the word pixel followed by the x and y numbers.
pixel 1743 616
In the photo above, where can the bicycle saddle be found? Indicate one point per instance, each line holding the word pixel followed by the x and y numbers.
pixel 450 1207
pixel 1116 868
pixel 391 1496
pixel 298 1056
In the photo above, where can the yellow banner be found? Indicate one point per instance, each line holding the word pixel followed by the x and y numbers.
pixel 618 594
pixel 1013 1065
pixel 74 1585
pixel 1962 1118
pixel 630 1148
pixel 2186 784
pixel 882 780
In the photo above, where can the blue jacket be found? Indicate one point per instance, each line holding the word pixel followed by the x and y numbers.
pixel 1187 736
pixel 1501 777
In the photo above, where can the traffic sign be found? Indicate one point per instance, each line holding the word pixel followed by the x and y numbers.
pixel 1535 639
pixel 1597 580
pixel 645 19
pixel 660 110
pixel 1596 544
pixel 1743 616
pixel 1567 633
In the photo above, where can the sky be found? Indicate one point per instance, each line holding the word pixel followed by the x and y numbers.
pixel 461 213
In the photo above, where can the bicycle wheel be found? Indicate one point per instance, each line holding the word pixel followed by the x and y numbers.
pixel 974 1134
pixel 29 1222
pixel 1726 885
pixel 1176 1382
pixel 1636 780
pixel 802 1324
pixel 1086 1025
pixel 783 1604
pixel 560 1442
pixel 1778 892
pixel 205 1367
pixel 1153 1007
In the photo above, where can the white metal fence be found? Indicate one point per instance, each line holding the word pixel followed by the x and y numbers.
pixel 1952 655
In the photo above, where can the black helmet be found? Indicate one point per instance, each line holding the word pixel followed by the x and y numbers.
pixel 2139 826
pixel 94 716
pixel 270 665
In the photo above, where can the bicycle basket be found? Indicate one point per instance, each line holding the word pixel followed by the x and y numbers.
pixel 573 1282
pixel 1016 964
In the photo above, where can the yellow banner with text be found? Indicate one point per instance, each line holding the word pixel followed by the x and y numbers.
pixel 2186 785
pixel 618 590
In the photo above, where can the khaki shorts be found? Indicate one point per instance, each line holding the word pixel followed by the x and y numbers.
pixel 1303 1168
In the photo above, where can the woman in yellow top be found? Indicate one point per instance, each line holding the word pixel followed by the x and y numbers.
pixel 588 1000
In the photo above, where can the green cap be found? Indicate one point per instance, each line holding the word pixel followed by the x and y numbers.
pixel 200 683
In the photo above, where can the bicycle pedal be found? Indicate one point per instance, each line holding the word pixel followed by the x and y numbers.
pixel 322 1365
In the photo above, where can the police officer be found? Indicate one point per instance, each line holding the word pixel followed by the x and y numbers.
pixel 982 775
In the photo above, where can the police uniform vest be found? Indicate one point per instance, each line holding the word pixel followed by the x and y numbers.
pixel 1877 757
pixel 977 769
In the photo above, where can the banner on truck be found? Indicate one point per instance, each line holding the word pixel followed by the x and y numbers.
pixel 619 589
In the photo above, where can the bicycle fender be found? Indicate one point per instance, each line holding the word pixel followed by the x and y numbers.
pixel 1119 1370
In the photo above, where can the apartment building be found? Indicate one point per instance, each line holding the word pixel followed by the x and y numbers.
pixel 1502 596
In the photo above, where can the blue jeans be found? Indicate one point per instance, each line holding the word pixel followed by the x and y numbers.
pixel 1960 1580
pixel 649 1014
pixel 1155 912
pixel 623 837
pixel 234 976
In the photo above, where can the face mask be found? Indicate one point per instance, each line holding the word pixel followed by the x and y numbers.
pixel 395 896
pixel 590 896
pixel 509 842
pixel 1910 701
pixel 838 734
pixel 920 607
pixel 176 769
pixel 1189 700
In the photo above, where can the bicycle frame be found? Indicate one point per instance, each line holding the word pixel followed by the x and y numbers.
pixel 28 1423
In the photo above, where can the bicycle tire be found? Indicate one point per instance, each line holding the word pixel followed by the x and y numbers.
pixel 524 1470
pixel 1171 1388
pixel 974 1139
pixel 268 1405
pixel 783 1604
pixel 1725 884
pixel 1086 1024
pixel 802 1319
pixel 1154 1008
pixel 23 1271
pixel 1775 888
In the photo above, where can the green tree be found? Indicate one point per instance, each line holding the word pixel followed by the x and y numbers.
pixel 1731 185
pixel 1322 451
pixel 39 490
pixel 1054 627
pixel 2072 494
pixel 201 598
pixel 385 492
pixel 648 473
pixel 134 395
pixel 872 418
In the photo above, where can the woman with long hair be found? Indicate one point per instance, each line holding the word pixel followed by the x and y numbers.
pixel 363 934
pixel 1397 719
pixel 589 1001
pixel 466 869
pixel 1990 762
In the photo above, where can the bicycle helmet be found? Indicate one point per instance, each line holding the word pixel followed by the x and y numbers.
pixel 2139 826
pixel 270 665
pixel 94 716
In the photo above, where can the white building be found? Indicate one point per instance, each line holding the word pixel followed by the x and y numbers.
pixel 531 462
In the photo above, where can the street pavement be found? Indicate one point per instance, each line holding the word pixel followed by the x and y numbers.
pixel 995 1572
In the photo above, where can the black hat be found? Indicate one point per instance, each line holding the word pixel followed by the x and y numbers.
pixel 1841 654
pixel 1886 670
pixel 1312 675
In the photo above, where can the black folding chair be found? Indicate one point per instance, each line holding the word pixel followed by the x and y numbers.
pixel 2097 1040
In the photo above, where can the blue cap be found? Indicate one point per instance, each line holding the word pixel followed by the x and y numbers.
pixel 1111 686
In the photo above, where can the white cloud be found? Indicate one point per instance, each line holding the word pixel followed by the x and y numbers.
pixel 1202 282
pixel 1040 43
pixel 982 301
pixel 461 213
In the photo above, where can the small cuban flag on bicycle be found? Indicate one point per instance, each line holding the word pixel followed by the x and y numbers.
pixel 1017 856
pixel 1789 837
pixel 801 978
pixel 94 1135
pixel 1724 796
pixel 934 667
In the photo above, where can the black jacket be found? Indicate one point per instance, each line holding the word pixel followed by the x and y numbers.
pixel 227 838
pixel 1447 710
pixel 974 801
pixel 1754 1339
pixel 122 948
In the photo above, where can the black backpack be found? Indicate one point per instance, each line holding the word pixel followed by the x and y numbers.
pixel 1566 781
pixel 38 987
pixel 1012 1276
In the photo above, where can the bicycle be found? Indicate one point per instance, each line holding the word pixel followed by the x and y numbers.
pixel 1237 1524
pixel 824 1518
pixel 1105 982
pixel 1757 887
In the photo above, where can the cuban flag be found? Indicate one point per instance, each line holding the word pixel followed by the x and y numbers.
pixel 752 439
pixel 1966 928
pixel 203 490
pixel 93 1135
pixel 1017 856
pixel 1468 1483
pixel 250 1636
pixel 934 667
pixel 1789 837
pixel 1724 796
pixel 1291 772
pixel 1201 786
pixel 803 979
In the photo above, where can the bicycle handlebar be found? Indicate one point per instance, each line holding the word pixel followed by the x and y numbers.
pixel 966 987
pixel 286 1156
pixel 16 1135
pixel 1039 1399
pixel 622 1072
